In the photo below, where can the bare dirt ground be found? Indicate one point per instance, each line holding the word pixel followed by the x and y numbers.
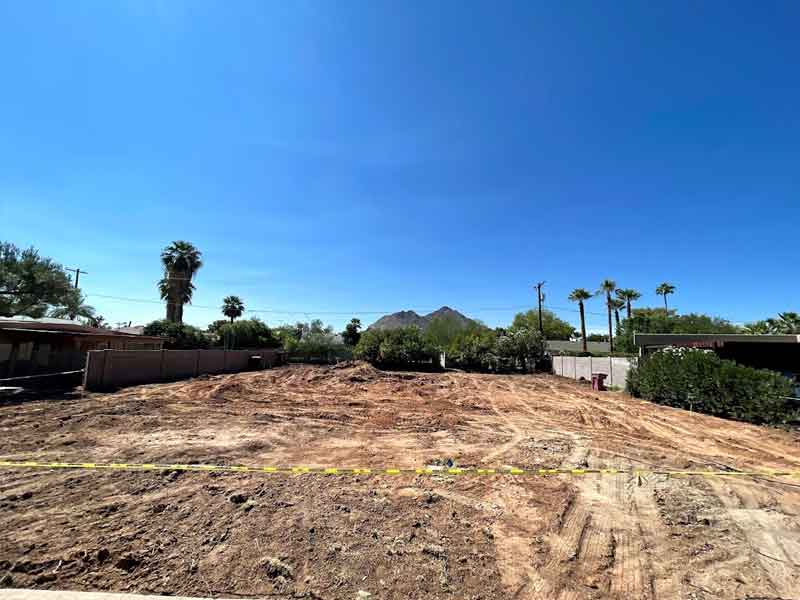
pixel 460 537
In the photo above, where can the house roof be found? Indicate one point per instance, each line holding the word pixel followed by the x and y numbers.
pixel 708 340
pixel 50 325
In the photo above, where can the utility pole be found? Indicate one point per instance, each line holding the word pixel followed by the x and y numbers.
pixel 77 274
pixel 540 297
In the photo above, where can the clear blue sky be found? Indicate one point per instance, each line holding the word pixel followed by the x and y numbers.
pixel 348 156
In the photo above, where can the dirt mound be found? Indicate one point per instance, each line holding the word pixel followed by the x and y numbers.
pixel 381 536
pixel 356 371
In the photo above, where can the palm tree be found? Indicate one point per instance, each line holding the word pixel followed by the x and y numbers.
pixel 759 327
pixel 73 307
pixel 233 307
pixel 181 261
pixel 628 295
pixel 665 289
pixel 788 322
pixel 606 287
pixel 580 295
pixel 617 304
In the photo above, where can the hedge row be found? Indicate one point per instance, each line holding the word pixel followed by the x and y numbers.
pixel 699 380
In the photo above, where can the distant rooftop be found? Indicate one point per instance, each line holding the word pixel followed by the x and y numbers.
pixel 708 340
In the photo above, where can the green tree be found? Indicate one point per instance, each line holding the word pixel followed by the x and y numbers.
pixel 607 287
pixel 403 347
pixel 245 333
pixel 553 327
pixel 180 336
pixel 29 283
pixel 617 304
pixel 352 332
pixel 665 289
pixel 580 296
pixel 181 261
pixel 442 330
pixel 232 307
pixel 628 295
pixel 74 306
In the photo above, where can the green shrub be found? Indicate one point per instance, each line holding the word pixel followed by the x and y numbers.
pixel 700 380
pixel 245 333
pixel 180 336
pixel 475 349
pixel 402 347
pixel 313 342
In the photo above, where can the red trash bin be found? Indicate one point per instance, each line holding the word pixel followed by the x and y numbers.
pixel 598 380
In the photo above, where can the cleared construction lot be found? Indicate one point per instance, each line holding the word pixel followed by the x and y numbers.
pixel 317 536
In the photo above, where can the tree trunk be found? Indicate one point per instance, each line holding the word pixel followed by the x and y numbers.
pixel 666 308
pixel 616 317
pixel 583 327
pixel 610 327
pixel 628 306
pixel 231 319
pixel 179 313
pixel 170 309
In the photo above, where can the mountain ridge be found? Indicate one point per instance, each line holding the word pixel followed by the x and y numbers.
pixel 404 318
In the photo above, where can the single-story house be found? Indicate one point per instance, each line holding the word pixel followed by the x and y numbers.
pixel 38 346
pixel 775 352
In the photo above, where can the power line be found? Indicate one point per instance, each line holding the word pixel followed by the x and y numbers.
pixel 365 312
pixel 308 312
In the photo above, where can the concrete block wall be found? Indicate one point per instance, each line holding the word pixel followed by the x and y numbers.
pixel 109 369
pixel 577 367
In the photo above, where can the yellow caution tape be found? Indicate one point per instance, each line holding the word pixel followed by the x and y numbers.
pixel 432 470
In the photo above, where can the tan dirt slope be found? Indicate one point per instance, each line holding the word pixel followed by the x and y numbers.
pixel 315 536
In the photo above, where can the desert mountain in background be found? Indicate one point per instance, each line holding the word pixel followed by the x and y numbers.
pixel 409 317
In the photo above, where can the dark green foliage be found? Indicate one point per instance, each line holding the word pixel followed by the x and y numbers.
pixel 442 330
pixel 699 380
pixel 244 334
pixel 181 337
pixel 656 320
pixel 477 348
pixel 31 284
pixel 554 328
pixel 474 350
pixel 312 342
pixel 352 332
pixel 401 347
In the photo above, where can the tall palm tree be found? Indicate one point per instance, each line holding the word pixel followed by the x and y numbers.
pixel 606 288
pixel 628 295
pixel 233 307
pixel 617 304
pixel 665 289
pixel 580 295
pixel 181 261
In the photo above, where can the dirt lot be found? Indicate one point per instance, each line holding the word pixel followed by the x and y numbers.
pixel 467 537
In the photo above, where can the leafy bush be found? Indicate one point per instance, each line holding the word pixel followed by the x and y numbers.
pixel 700 380
pixel 401 347
pixel 476 348
pixel 313 342
pixel 247 333
pixel 554 328
pixel 181 337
